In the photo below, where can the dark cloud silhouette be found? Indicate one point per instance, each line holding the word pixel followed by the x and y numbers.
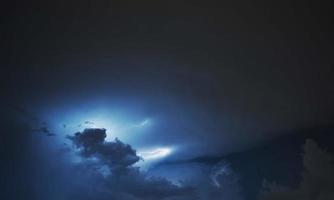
pixel 111 166
pixel 91 143
pixel 89 122
pixel 50 134
pixel 45 130
pixel 317 178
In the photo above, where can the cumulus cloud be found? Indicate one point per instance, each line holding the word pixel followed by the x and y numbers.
pixel 116 155
pixel 109 169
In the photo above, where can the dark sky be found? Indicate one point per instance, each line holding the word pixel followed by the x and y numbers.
pixel 242 68
pixel 213 77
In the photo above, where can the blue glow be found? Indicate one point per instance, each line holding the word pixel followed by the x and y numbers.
pixel 156 153
pixel 130 126
pixel 143 123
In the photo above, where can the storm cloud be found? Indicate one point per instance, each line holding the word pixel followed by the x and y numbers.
pixel 116 155
pixel 111 166
pixel 316 182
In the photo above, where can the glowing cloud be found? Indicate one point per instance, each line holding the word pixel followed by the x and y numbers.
pixel 143 123
pixel 223 168
pixel 155 153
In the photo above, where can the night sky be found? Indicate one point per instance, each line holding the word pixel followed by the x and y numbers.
pixel 174 100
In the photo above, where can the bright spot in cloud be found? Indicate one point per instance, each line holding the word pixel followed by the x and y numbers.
pixel 143 123
pixel 155 153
